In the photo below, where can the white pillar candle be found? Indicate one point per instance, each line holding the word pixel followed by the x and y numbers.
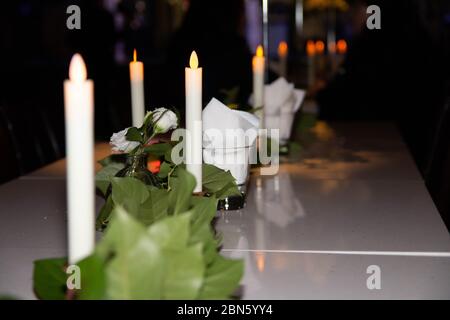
pixel 258 77
pixel 258 81
pixel 283 56
pixel 194 128
pixel 311 53
pixel 137 91
pixel 79 118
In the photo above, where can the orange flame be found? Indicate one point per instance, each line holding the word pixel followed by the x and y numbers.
pixel 283 49
pixel 134 55
pixel 310 48
pixel 320 47
pixel 342 46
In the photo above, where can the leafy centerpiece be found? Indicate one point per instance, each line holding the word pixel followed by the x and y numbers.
pixel 158 241
pixel 136 145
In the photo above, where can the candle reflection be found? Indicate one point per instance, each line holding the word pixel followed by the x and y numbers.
pixel 276 200
pixel 260 261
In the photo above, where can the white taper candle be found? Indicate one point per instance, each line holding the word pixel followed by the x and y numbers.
pixel 194 127
pixel 137 91
pixel 283 56
pixel 258 82
pixel 79 118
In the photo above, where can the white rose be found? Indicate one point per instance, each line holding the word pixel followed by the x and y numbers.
pixel 120 143
pixel 165 120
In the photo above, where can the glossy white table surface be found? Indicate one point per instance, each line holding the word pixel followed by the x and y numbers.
pixel 353 199
pixel 287 276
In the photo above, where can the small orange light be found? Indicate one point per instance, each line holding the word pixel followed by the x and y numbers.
pixel 342 46
pixel 154 166
pixel 134 55
pixel 310 48
pixel 283 49
pixel 193 62
pixel 260 51
pixel 320 47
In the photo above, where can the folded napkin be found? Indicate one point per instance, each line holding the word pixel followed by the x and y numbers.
pixel 229 139
pixel 281 103
pixel 281 94
pixel 217 117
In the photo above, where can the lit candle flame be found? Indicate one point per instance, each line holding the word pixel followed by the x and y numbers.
pixel 342 46
pixel 310 48
pixel 134 55
pixel 260 51
pixel 193 62
pixel 320 47
pixel 282 49
pixel 77 69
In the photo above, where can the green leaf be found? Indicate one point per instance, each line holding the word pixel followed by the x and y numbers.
pixel 104 176
pixel 104 214
pixel 114 158
pixel 122 233
pixel 155 207
pixel 130 193
pixel 164 170
pixel 133 134
pixel 222 278
pixel 93 282
pixel 219 182
pixel 185 271
pixel 136 273
pixel 172 232
pixel 49 279
pixel 204 209
pixel 159 149
pixel 182 184
pixel 5 297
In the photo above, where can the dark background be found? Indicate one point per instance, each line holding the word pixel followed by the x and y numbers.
pixel 399 73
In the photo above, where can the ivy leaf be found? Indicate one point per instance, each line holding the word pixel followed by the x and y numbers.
pixel 104 176
pixel 155 207
pixel 159 149
pixel 122 233
pixel 172 232
pixel 182 184
pixel 104 214
pixel 204 209
pixel 227 191
pixel 112 159
pixel 93 282
pixel 133 134
pixel 129 193
pixel 222 278
pixel 219 182
pixel 137 272
pixel 164 170
pixel 185 271
pixel 50 278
